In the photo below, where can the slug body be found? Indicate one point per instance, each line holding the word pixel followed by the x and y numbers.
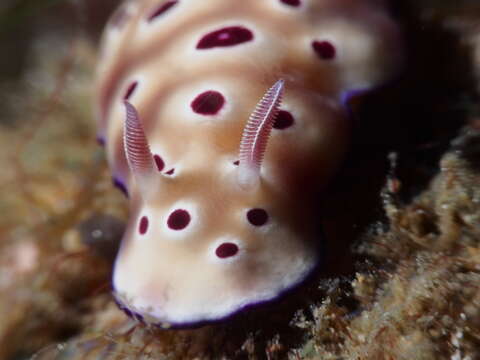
pixel 223 120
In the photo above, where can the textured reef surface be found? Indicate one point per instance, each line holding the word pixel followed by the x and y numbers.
pixel 402 217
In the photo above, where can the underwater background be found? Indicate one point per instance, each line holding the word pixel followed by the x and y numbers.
pixel 402 218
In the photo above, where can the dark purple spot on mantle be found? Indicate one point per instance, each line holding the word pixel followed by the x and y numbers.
pixel 131 88
pixel 228 36
pixel 324 49
pixel 291 2
pixel 226 250
pixel 163 8
pixel 236 163
pixel 159 162
pixel 257 217
pixel 208 103
pixel 178 220
pixel 120 185
pixel 143 226
pixel 170 172
pixel 284 120
pixel 101 140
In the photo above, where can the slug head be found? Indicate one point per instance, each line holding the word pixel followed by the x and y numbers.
pixel 201 256
pixel 200 247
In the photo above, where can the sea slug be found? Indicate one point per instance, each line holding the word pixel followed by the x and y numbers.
pixel 222 121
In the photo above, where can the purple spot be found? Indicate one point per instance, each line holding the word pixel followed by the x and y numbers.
pixel 143 226
pixel 208 103
pixel 178 220
pixel 170 172
pixel 257 217
pixel 291 2
pixel 236 163
pixel 120 185
pixel 324 49
pixel 226 250
pixel 228 36
pixel 131 88
pixel 101 140
pixel 284 120
pixel 159 162
pixel 162 9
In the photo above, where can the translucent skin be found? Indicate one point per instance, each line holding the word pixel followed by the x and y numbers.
pixel 195 70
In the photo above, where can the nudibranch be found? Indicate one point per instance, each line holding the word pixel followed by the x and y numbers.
pixel 222 121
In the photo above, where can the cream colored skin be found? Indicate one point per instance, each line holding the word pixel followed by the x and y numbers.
pixel 174 277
